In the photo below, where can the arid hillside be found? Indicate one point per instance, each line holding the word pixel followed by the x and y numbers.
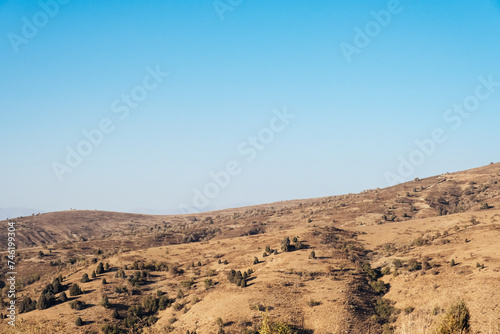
pixel 391 260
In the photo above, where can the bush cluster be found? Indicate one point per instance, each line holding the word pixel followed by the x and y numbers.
pixel 239 278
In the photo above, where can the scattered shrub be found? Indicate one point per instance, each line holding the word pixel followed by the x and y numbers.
pixel 85 278
pixel 79 322
pixel 313 303
pixel 208 283
pixel 285 245
pixel 384 309
pixel 100 269
pixel 26 305
pixel 456 320
pixel 77 305
pixel 75 290
pixel 414 265
pixel 105 301
pixel 312 255
pixel 379 287
pixel 408 310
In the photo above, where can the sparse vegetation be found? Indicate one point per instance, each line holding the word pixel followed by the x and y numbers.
pixel 456 320
pixel 75 290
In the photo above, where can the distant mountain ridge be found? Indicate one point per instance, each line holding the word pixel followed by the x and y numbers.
pixel 6 213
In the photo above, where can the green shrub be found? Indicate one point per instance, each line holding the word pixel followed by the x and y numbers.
pixel 384 309
pixel 85 278
pixel 379 287
pixel 285 245
pixel 120 273
pixel 456 320
pixel 44 301
pixel 414 265
pixel 100 269
pixel 408 310
pixel 312 255
pixel 75 290
pixel 105 301
pixel 110 329
pixel 150 304
pixel 208 283
pixel 26 305
pixel 77 305
pixel 313 303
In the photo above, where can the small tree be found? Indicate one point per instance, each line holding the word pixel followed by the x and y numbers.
pixel 100 269
pixel 79 322
pixel 75 290
pixel 313 255
pixel 63 297
pixel 56 286
pixel 104 281
pixel 93 274
pixel 105 301
pixel 43 302
pixel 85 278
pixel 255 260
pixel 120 273
pixel 285 244
pixel 452 263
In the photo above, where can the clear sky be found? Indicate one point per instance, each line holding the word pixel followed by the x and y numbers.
pixel 363 81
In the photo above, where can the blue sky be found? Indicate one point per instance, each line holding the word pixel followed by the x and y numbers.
pixel 353 120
